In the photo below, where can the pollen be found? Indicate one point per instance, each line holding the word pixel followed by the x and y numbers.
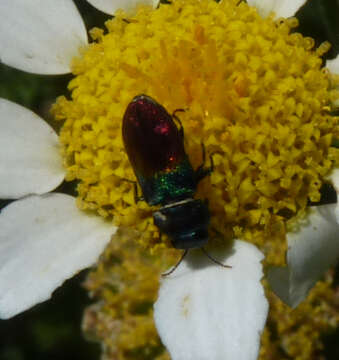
pixel 255 93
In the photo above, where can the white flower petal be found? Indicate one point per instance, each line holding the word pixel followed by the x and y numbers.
pixel 30 160
pixel 44 240
pixel 335 181
pixel 110 6
pixel 205 311
pixel 40 36
pixel 333 65
pixel 311 251
pixel 281 8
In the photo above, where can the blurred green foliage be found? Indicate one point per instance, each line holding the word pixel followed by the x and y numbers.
pixel 52 330
pixel 319 19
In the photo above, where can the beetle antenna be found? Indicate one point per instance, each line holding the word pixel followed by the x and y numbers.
pixel 177 264
pixel 214 260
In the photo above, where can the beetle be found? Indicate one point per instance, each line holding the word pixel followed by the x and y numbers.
pixel 155 148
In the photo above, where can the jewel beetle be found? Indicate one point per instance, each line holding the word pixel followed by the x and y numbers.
pixel 155 148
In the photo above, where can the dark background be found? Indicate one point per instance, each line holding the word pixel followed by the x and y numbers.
pixel 52 330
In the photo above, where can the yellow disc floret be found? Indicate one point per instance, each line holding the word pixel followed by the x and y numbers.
pixel 253 92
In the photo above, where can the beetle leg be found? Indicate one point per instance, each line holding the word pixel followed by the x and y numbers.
pixel 137 197
pixel 176 118
pixel 202 171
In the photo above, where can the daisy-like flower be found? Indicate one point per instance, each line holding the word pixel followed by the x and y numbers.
pixel 254 93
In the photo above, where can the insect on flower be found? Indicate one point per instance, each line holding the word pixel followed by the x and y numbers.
pixel 155 148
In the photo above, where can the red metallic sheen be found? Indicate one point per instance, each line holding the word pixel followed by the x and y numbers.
pixel 152 140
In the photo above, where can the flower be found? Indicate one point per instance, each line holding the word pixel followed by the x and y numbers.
pixel 122 320
pixel 44 238
pixel 254 93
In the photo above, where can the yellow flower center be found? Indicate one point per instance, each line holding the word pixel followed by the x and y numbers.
pixel 253 92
